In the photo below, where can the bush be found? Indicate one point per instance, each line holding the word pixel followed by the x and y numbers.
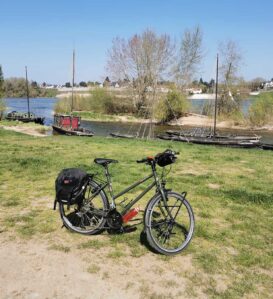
pixel 100 101
pixel 173 106
pixel 261 111
pixel 2 108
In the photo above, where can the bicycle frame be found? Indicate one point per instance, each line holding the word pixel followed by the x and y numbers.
pixel 156 182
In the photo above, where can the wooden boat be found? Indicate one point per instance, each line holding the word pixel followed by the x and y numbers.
pixel 253 139
pixel 69 125
pixel 117 135
pixel 211 141
pixel 25 117
pixel 266 146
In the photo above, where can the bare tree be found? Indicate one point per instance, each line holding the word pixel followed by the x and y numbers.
pixel 231 59
pixel 143 60
pixel 230 63
pixel 189 56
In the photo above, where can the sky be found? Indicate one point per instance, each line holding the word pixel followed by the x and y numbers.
pixel 43 34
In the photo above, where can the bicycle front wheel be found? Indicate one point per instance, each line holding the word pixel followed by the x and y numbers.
pixel 169 229
pixel 87 217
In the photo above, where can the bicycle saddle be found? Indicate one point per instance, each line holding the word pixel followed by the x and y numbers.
pixel 104 162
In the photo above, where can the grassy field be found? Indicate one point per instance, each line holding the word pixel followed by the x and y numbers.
pixel 230 190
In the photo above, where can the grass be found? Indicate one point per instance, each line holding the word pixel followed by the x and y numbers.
pixel 234 233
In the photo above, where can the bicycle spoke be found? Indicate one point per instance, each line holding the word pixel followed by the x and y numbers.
pixel 170 225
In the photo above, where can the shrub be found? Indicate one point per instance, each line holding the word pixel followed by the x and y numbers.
pixel 2 108
pixel 261 111
pixel 173 106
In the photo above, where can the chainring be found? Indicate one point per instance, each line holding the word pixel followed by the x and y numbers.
pixel 114 220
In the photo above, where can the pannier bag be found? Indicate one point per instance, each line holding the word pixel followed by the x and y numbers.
pixel 165 158
pixel 70 185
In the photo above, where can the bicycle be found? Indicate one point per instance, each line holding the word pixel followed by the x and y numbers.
pixel 168 217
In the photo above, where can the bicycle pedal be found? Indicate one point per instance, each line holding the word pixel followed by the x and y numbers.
pixel 129 229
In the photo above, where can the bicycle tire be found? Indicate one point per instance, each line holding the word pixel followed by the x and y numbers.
pixel 81 219
pixel 169 235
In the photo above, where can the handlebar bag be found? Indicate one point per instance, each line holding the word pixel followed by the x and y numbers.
pixel 69 185
pixel 165 158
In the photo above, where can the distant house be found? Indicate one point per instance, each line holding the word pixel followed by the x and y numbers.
pixel 115 84
pixel 194 90
pixel 268 85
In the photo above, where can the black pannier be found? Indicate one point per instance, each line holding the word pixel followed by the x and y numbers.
pixel 69 186
pixel 165 158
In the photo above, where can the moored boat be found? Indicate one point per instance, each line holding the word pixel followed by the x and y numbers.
pixel 211 141
pixel 266 146
pixel 70 125
pixel 118 135
pixel 250 138
pixel 25 117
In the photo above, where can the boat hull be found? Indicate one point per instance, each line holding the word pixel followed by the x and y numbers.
pixel 37 120
pixel 79 132
pixel 211 141
pixel 122 136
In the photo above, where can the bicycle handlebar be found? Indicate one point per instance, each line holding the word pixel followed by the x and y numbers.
pixel 142 160
pixel 145 160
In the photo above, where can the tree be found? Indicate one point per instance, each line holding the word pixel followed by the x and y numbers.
pixel 34 84
pixel 106 82
pixel 189 56
pixel 142 60
pixel 230 61
pixel 1 82
pixel 230 58
pixel 67 85
pixel 83 84
pixel 2 103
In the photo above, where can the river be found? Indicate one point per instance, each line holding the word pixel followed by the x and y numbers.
pixel 45 107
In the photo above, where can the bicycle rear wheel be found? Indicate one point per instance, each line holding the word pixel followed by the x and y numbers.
pixel 169 233
pixel 88 217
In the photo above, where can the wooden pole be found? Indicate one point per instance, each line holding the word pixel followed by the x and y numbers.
pixel 216 95
pixel 27 94
pixel 73 81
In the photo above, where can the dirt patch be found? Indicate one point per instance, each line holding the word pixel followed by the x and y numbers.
pixel 32 269
pixel 25 130
pixel 214 186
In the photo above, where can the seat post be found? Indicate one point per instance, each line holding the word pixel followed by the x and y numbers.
pixel 108 176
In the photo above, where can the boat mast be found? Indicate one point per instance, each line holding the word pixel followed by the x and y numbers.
pixel 73 81
pixel 216 95
pixel 27 94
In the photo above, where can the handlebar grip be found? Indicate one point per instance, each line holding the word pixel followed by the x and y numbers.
pixel 141 161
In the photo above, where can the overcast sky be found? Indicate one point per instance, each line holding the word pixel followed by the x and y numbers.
pixel 42 34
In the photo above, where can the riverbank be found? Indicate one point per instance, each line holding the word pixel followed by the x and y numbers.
pixel 229 257
pixel 190 119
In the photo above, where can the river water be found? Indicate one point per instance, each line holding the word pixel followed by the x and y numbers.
pixel 45 107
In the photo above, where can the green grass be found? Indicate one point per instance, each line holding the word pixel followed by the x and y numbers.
pixel 234 232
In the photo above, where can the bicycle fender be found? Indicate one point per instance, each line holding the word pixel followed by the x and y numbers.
pixel 144 215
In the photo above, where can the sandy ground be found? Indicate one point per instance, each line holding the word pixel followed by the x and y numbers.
pixel 26 130
pixel 204 121
pixel 31 270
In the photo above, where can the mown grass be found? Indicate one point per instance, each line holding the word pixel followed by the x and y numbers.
pixel 234 232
